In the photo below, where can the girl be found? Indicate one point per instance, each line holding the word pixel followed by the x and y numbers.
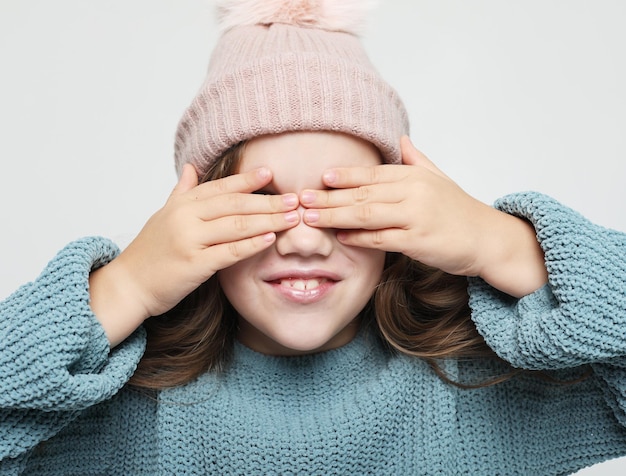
pixel 300 304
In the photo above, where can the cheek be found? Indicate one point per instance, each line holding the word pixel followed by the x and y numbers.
pixel 369 271
pixel 371 262
pixel 233 280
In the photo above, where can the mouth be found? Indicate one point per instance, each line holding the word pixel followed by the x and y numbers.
pixel 303 287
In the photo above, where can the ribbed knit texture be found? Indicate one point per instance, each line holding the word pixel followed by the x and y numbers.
pixel 277 78
pixel 358 409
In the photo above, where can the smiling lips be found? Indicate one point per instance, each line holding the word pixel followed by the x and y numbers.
pixel 303 289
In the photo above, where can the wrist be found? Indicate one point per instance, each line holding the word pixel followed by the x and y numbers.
pixel 114 301
pixel 511 258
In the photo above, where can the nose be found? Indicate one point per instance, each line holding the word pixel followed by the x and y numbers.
pixel 304 240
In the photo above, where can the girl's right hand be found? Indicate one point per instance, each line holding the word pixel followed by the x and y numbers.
pixel 200 230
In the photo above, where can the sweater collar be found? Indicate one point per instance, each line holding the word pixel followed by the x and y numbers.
pixel 309 376
pixel 364 347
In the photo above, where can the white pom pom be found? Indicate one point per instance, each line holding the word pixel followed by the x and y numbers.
pixel 336 15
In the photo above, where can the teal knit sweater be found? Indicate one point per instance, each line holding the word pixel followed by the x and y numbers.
pixel 358 409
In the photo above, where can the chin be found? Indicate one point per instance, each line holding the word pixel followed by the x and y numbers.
pixel 311 341
pixel 305 346
pixel 300 341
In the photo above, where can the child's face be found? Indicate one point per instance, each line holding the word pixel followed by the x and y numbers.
pixel 303 293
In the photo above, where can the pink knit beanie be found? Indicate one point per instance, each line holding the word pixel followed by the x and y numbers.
pixel 290 65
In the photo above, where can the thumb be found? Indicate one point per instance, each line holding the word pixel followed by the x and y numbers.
pixel 412 156
pixel 188 179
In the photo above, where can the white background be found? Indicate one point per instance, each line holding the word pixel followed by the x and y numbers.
pixel 503 95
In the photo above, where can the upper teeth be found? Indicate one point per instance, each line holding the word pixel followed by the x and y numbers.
pixel 301 284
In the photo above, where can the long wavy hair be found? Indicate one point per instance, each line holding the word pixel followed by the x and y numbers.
pixel 416 309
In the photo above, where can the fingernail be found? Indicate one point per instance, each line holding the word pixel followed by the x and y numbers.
pixel 263 173
pixel 329 176
pixel 311 216
pixel 308 196
pixel 292 216
pixel 290 199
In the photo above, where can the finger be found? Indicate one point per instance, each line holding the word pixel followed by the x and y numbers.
pixel 342 197
pixel 385 239
pixel 370 216
pixel 412 156
pixel 245 204
pixel 187 181
pixel 227 254
pixel 347 177
pixel 239 227
pixel 245 182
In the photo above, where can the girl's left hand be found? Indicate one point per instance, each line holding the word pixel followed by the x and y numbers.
pixel 415 209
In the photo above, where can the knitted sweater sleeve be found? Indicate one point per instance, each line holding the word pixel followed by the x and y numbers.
pixel 54 354
pixel 579 317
